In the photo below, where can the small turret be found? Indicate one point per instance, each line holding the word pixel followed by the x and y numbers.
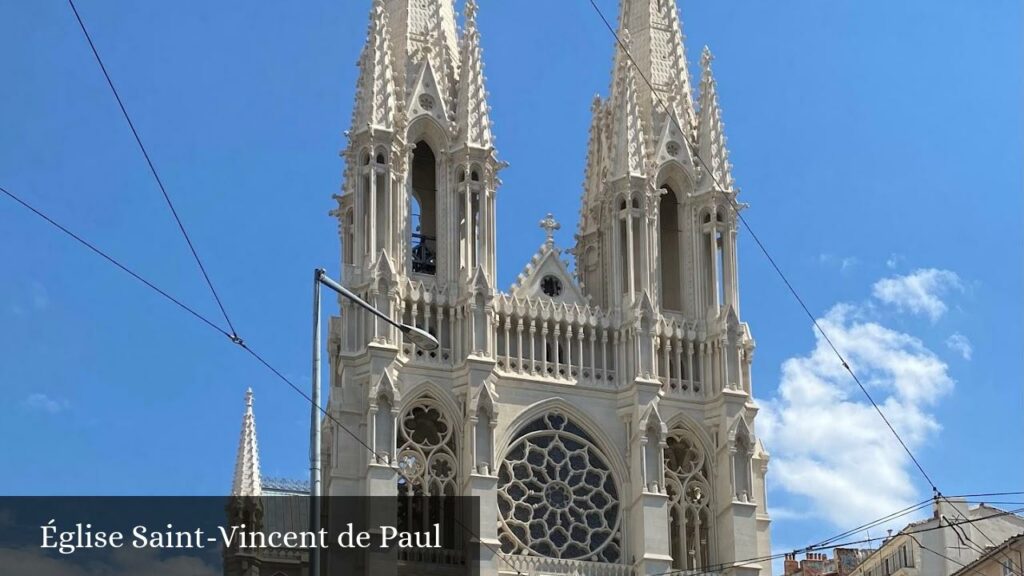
pixel 472 115
pixel 376 102
pixel 629 149
pixel 711 140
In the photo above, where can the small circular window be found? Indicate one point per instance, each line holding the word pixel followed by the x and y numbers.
pixel 551 286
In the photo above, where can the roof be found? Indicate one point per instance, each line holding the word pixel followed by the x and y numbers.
pixel 285 486
pixel 972 568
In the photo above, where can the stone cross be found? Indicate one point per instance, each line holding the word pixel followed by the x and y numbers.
pixel 549 224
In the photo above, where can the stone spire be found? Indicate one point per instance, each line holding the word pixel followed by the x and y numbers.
pixel 681 91
pixel 424 29
pixel 628 153
pixel 658 49
pixel 444 49
pixel 376 98
pixel 247 463
pixel 711 139
pixel 593 176
pixel 472 113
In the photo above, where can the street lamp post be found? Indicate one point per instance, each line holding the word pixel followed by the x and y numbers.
pixel 417 336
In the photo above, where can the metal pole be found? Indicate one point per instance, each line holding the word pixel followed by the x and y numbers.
pixel 314 430
pixel 417 336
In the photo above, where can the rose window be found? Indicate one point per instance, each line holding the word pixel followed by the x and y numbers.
pixel 551 286
pixel 557 496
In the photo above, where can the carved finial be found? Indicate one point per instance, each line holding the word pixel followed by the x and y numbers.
pixel 625 39
pixel 471 9
pixel 248 400
pixel 706 57
pixel 549 225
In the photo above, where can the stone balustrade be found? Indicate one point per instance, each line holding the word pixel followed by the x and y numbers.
pixel 541 338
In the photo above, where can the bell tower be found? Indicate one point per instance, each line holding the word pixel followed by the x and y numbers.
pixel 631 381
pixel 416 218
pixel 420 165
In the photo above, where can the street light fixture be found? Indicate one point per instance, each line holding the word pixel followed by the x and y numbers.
pixel 417 336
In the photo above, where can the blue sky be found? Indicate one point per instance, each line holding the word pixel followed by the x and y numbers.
pixel 878 144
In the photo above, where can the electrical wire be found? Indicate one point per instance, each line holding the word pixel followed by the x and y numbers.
pixel 235 339
pixel 114 261
pixel 737 210
pixel 888 518
pixel 796 295
pixel 713 570
pixel 152 168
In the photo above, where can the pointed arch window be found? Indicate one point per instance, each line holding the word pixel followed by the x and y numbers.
pixel 427 446
pixel 557 496
pixel 471 199
pixel 630 234
pixel 426 450
pixel 670 261
pixel 348 239
pixel 713 233
pixel 687 482
pixel 423 209
pixel 742 450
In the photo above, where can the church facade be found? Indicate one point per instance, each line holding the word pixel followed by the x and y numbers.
pixel 604 418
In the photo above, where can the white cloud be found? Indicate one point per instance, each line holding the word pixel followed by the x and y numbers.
pixel 36 301
pixel 829 445
pixel 844 263
pixel 44 403
pixel 893 261
pixel 960 344
pixel 919 292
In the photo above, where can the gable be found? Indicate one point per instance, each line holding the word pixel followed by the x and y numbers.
pixel 546 271
pixel 426 98
pixel 673 147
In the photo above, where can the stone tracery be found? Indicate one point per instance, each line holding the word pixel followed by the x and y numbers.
pixel 687 474
pixel 557 496
pixel 426 450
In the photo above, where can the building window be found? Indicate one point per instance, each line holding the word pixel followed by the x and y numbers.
pixel 422 210
pixel 687 471
pixel 557 496
pixel 670 259
pixel 741 468
pixel 426 450
pixel 426 457
pixel 551 286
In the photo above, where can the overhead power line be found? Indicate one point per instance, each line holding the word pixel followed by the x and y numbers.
pixel 235 339
pixel 714 569
pixel 737 210
pixel 115 262
pixel 152 168
pixel 778 270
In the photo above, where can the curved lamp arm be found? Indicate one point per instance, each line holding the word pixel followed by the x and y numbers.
pixel 417 336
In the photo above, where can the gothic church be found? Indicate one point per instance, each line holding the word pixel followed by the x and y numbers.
pixel 605 418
